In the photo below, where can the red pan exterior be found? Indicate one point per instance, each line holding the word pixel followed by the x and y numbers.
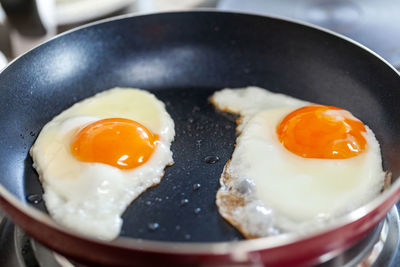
pixel 301 253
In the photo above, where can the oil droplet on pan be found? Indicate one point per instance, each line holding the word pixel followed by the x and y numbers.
pixel 153 226
pixel 211 159
pixel 34 199
pixel 196 187
pixel 184 201
pixel 197 210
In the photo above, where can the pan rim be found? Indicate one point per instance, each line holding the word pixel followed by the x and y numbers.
pixel 207 10
pixel 214 248
pixel 200 248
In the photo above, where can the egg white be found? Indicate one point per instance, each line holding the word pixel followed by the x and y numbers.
pixel 89 198
pixel 266 189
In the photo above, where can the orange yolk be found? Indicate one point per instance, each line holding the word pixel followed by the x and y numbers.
pixel 322 132
pixel 118 142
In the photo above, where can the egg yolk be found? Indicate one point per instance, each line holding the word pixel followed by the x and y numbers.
pixel 118 142
pixel 325 132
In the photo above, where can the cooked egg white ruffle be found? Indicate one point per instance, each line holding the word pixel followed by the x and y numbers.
pixel 267 190
pixel 87 197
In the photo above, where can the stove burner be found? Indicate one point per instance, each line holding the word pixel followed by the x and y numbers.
pixel 378 248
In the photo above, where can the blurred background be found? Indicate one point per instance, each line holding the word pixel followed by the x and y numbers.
pixel 27 23
pixel 374 23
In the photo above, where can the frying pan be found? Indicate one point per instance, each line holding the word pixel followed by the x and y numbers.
pixel 183 57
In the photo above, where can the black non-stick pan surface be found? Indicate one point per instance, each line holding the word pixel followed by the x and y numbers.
pixel 183 58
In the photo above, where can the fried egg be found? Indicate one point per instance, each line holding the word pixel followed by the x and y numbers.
pixel 97 156
pixel 296 165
